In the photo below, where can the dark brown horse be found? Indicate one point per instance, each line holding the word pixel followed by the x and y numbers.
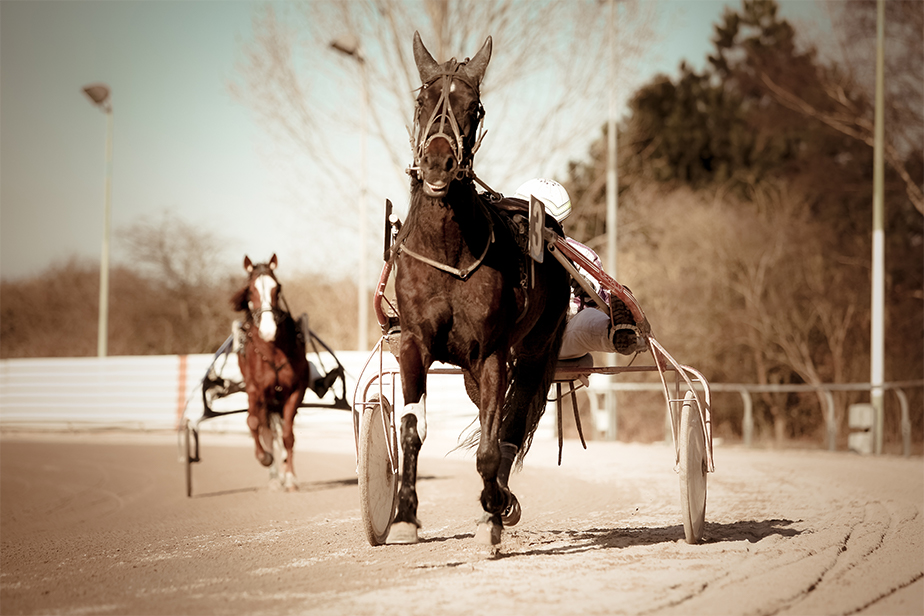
pixel 273 363
pixel 464 297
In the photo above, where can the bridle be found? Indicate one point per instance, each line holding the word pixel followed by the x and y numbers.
pixel 447 126
pixel 278 311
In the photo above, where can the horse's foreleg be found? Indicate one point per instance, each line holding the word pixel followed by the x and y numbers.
pixel 288 439
pixel 404 528
pixel 256 421
pixel 413 433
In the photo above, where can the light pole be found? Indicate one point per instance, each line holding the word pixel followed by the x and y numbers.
pixel 612 188
pixel 349 46
pixel 877 316
pixel 99 94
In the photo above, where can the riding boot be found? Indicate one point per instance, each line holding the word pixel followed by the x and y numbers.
pixel 322 385
pixel 303 327
pixel 508 455
pixel 622 330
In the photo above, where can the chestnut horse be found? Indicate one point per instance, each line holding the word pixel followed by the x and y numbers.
pixel 273 363
pixel 463 297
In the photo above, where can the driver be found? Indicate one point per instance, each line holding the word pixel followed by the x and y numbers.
pixel 588 328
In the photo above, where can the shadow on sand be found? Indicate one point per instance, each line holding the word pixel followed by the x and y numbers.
pixel 569 542
pixel 305 486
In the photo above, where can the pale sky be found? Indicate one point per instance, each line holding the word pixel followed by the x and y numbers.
pixel 181 143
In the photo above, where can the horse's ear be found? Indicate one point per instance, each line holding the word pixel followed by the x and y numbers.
pixel 273 262
pixel 477 66
pixel 426 65
pixel 248 264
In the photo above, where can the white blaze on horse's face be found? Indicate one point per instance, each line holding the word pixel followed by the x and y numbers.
pixel 265 315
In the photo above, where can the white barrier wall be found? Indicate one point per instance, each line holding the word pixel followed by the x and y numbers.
pixel 154 393
pixel 138 392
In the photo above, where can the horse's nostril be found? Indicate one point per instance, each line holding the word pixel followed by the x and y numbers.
pixel 450 164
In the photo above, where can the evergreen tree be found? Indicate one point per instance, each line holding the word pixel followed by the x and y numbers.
pixel 778 216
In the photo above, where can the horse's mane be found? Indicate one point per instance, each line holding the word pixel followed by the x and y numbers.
pixel 240 298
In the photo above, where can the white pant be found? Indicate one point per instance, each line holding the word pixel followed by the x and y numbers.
pixel 313 373
pixel 585 332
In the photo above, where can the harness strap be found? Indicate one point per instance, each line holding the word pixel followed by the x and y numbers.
pixel 463 273
pixel 276 368
pixel 443 112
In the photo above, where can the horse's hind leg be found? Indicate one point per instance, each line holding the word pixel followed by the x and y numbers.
pixel 508 453
pixel 527 402
pixel 494 496
pixel 288 440
pixel 276 469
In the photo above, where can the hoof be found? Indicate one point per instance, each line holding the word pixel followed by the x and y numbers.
pixel 402 533
pixel 290 484
pixel 512 513
pixel 275 485
pixel 488 531
pixel 267 459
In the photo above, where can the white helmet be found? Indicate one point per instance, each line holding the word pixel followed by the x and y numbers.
pixel 551 193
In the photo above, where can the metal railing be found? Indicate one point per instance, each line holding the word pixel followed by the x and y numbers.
pixel 826 390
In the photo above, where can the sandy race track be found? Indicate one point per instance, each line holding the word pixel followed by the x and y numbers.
pixel 100 524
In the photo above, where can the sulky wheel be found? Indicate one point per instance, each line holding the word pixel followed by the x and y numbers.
pixel 378 479
pixel 692 470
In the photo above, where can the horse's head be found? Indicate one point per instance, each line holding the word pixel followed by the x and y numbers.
pixel 261 297
pixel 447 117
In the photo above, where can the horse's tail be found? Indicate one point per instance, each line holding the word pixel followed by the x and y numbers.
pixel 530 379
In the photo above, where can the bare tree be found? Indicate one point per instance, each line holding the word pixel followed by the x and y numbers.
pixel 855 28
pixel 52 314
pixel 171 295
pixel 799 303
pixel 188 285
pixel 545 89
pixel 747 291
pixel 330 305
pixel 175 252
